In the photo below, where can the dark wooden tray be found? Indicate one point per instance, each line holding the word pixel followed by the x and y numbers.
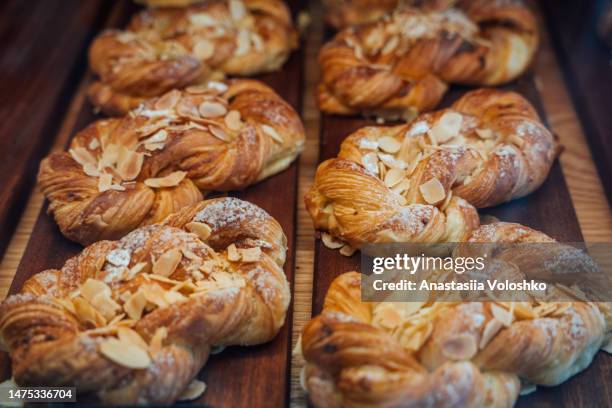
pixel 549 209
pixel 585 61
pixel 238 377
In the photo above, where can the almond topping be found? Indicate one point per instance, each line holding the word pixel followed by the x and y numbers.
pixel 82 156
pixel 104 304
pixel 157 341
pixel 389 144
pixel 232 253
pixel 129 164
pixel 504 316
pixel 490 330
pixel 194 390
pixel 171 180
pixel 201 229
pixel 211 109
pixel 484 133
pixel 91 170
pixel 155 295
pixel 203 49
pixel 270 131
pixel 104 182
pixel 87 314
pixel 154 146
pixel 432 191
pixel 93 144
pixel 167 263
pixel 347 250
pixel 393 177
pixel 250 254
pixel 135 305
pixel 93 287
pixel 460 347
pixel 331 242
pixel 447 127
pixel 130 336
pixel 233 120
pixel 517 140
pixel 168 100
pixel 125 354
pixel 220 133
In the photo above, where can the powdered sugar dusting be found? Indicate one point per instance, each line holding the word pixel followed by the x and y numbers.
pixel 229 211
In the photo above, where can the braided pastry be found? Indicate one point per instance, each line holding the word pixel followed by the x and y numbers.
pixel 164 49
pixel 133 321
pixel 123 173
pixel 446 354
pixel 419 182
pixel 346 13
pixel 401 65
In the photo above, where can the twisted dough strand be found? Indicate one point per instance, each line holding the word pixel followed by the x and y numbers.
pixel 373 354
pixel 420 182
pixel 165 49
pixel 401 64
pixel 58 330
pixel 223 136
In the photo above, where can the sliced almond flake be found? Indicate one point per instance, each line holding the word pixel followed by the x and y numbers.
pixel 127 323
pixel 545 309
pixel 460 347
pixel 490 330
pixel 93 287
pixel 233 120
pixel 382 170
pixel 117 187
pixel 237 9
pixel 203 49
pixel 66 304
pixel 94 143
pixel 110 155
pixel 91 170
pixel 82 156
pixel 174 297
pixel 157 341
pixel 270 131
pixel 220 133
pixel 171 180
pixel 504 316
pixel 447 127
pixel 129 164
pixel 347 250
pixel 135 305
pixel 159 136
pixel 391 161
pixel 390 46
pixel 401 186
pixel 194 390
pixel 203 20
pixel 330 241
pixel 367 144
pixel 104 182
pixel 168 100
pixel 370 162
pixel 232 253
pixel 207 266
pixel 87 314
pixel 216 86
pixel 116 319
pixel 155 295
pixel 130 336
pixel 166 264
pixel 485 133
pixel 212 109
pixel 125 354
pixel 389 144
pixel 250 254
pixel 140 267
pixel 257 42
pixel 393 177
pixel 446 201
pixel 160 278
pixel 388 317
pixel 104 304
pixel 154 146
pixel 432 191
pixel 243 43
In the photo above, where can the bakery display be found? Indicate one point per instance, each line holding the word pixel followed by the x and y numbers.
pixel 422 181
pixel 133 321
pixel 170 48
pixel 447 354
pixel 122 173
pixel 345 13
pixel 402 64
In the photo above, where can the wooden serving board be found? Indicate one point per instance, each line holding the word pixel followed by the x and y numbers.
pixel 549 209
pixel 239 376
pixel 585 61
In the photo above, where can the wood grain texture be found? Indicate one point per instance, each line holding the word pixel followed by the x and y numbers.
pixel 42 55
pixel 238 376
pixel 585 62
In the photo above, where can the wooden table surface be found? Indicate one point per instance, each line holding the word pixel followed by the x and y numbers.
pixel 584 184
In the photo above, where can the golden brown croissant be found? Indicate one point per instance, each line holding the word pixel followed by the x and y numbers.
pixel 164 49
pixel 446 354
pixel 133 321
pixel 123 173
pixel 345 13
pixel 419 182
pixel 401 64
